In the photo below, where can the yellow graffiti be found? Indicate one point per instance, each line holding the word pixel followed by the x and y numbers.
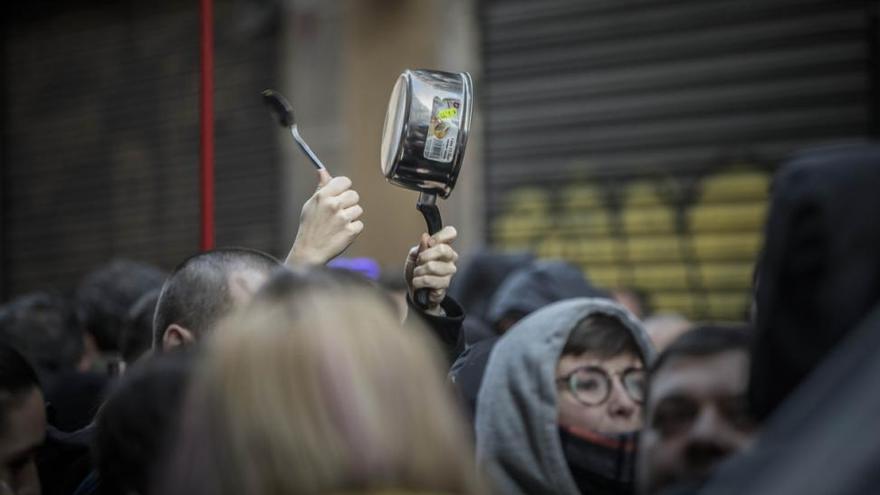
pixel 695 258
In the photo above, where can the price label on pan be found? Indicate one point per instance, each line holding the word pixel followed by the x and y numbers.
pixel 443 130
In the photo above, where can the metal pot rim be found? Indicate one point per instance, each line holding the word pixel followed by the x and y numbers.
pixel 403 130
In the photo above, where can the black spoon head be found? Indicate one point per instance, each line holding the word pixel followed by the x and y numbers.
pixel 280 107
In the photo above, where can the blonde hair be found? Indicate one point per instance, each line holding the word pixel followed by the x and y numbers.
pixel 318 388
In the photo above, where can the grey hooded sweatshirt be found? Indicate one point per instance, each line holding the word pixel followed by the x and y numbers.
pixel 518 439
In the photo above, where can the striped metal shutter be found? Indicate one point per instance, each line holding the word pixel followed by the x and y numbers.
pixel 637 137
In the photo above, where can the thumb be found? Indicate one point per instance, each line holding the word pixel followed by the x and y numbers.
pixel 424 242
pixel 323 177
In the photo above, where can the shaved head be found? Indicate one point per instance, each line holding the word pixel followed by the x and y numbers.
pixel 207 286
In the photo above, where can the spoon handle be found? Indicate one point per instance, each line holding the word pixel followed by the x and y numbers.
pixel 305 148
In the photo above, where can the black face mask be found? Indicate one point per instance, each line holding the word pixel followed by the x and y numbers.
pixel 600 464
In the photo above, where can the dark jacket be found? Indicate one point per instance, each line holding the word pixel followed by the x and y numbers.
pixel 824 438
pixel 476 283
pixel 481 275
pixel 447 329
pixel 64 459
pixel 820 270
pixel 815 368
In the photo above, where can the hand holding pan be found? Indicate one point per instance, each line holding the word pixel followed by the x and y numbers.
pixel 424 139
pixel 431 265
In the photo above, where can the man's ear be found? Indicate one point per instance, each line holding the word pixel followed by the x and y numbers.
pixel 176 336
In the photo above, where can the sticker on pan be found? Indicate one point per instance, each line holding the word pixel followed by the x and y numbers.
pixel 443 131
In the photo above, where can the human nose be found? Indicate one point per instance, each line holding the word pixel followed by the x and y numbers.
pixel 707 439
pixel 620 404
pixel 708 425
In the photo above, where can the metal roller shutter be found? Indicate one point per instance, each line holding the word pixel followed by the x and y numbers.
pixel 636 138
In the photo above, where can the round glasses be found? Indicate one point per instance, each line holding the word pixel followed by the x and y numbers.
pixel 591 385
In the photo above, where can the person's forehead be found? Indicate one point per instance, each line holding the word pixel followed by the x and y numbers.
pixel 616 363
pixel 721 374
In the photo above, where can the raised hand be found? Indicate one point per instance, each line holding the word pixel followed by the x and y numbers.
pixel 431 265
pixel 329 222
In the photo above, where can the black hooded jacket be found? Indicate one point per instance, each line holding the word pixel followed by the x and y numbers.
pixel 815 369
pixel 820 270
pixel 480 276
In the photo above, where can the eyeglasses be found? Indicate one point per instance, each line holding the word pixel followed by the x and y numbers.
pixel 591 385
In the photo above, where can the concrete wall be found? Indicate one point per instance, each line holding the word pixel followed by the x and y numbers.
pixel 340 61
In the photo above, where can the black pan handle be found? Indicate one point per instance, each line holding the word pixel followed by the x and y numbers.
pixel 427 204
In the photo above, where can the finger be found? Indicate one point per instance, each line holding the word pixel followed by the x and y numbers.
pixel 436 296
pixel 323 177
pixel 437 268
pixel 413 253
pixel 336 186
pixel 353 213
pixel 445 236
pixel 412 256
pixel 355 227
pixel 431 282
pixel 348 198
pixel 423 242
pixel 409 264
pixel 442 252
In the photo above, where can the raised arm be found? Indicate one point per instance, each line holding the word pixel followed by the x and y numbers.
pixel 431 265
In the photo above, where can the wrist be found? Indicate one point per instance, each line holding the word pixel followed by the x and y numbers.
pixel 301 256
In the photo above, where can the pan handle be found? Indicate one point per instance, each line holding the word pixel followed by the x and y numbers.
pixel 427 204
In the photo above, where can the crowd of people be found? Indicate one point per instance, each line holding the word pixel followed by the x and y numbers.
pixel 238 373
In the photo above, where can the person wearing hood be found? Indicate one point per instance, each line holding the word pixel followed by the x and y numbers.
pixel 530 288
pixel 560 403
pixel 477 282
pixel 819 273
pixel 814 366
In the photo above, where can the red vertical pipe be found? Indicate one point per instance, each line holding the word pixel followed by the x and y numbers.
pixel 206 152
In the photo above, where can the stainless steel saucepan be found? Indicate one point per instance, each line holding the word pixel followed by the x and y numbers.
pixel 424 138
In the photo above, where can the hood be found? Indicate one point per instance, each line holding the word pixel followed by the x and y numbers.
pixel 480 276
pixel 820 270
pixel 538 284
pixel 518 440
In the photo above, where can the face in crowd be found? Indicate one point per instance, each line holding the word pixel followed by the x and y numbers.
pixel 600 379
pixel 24 432
pixel 601 394
pixel 22 424
pixel 696 413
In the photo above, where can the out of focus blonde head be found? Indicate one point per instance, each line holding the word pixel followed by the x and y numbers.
pixel 317 388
